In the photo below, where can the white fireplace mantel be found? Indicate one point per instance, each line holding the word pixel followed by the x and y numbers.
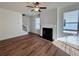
pixel 50 26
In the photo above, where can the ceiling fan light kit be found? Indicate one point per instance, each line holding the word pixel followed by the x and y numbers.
pixel 36 9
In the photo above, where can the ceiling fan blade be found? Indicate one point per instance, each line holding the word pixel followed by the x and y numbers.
pixel 39 10
pixel 30 6
pixel 42 7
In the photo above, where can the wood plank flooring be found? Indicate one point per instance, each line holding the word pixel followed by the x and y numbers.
pixel 29 45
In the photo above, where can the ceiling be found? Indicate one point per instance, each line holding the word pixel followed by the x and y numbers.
pixel 21 6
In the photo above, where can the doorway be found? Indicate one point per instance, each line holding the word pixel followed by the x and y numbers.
pixel 37 24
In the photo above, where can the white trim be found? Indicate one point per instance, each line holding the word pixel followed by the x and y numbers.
pixel 4 38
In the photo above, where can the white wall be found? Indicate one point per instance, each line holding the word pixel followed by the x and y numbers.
pixel 10 24
pixel 26 22
pixel 49 19
pixel 60 24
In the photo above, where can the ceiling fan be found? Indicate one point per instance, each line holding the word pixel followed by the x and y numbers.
pixel 36 7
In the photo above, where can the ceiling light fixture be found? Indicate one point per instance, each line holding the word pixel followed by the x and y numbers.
pixel 36 9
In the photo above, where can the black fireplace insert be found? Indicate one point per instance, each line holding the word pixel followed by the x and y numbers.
pixel 47 33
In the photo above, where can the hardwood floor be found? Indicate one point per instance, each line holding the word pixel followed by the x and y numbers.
pixel 29 45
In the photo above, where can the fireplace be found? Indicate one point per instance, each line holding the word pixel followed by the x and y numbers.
pixel 47 33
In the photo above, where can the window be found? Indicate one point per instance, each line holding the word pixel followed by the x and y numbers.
pixel 71 21
pixel 37 23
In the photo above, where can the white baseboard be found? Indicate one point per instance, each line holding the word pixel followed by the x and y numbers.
pixel 4 38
